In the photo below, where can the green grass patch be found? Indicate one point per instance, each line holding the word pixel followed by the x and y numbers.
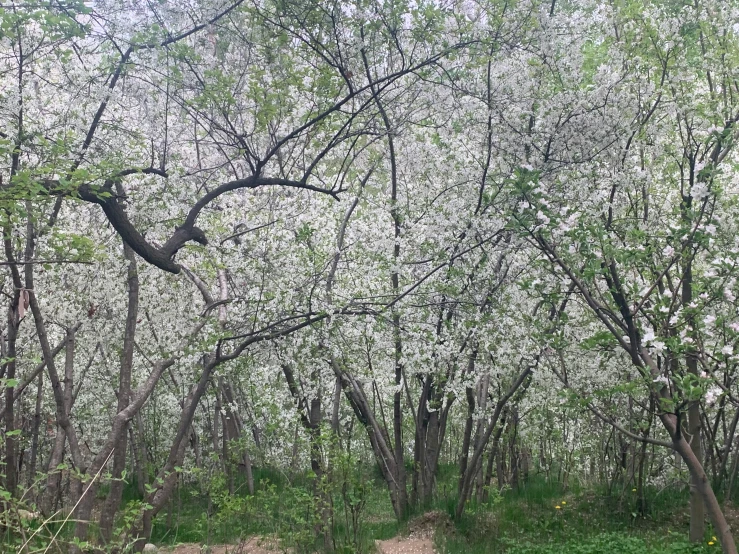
pixel 540 517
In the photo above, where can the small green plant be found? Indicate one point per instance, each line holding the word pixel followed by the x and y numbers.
pixel 603 543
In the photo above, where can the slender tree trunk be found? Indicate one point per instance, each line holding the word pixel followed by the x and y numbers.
pixel 702 485
pixel 119 426
pixel 466 440
pixel 379 441
pixel 217 417
pixel 697 512
pixel 335 408
pixel 431 420
pixel 311 417
pixel 138 444
pixel 63 394
pixel 236 431
pixel 36 428
pixel 113 501
pixel 398 422
pixel 320 484
pixel 468 470
pixel 732 475
pixel 482 396
pixel 492 457
pixel 225 446
pixel 167 478
pixel 400 473
pixel 11 441
pixel 54 478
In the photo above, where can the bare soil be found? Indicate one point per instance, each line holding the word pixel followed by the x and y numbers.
pixel 406 545
pixel 420 539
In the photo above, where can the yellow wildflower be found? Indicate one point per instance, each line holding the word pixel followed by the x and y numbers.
pixel 710 543
pixel 563 503
pixel 558 507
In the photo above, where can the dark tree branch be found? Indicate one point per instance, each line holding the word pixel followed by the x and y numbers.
pixel 162 257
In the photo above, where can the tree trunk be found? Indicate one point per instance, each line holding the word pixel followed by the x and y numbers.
pixel 513 444
pixel 311 417
pixel 431 421
pixel 36 427
pixel 482 397
pixel 113 501
pixel 167 478
pixel 236 431
pixel 379 441
pixel 54 478
pixel 398 454
pixel 702 486
pixel 492 457
pixel 468 470
pixel 11 441
pixel 139 451
pixel 466 440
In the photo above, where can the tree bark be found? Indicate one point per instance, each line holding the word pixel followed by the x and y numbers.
pixel 702 485
pixel 113 501
pixel 138 444
pixel 36 427
pixel 168 475
pixel 466 478
pixel 379 441
pixel 54 479
pixel 697 513
pixel 11 441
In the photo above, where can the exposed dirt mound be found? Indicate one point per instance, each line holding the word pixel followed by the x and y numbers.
pixel 426 525
pixel 420 539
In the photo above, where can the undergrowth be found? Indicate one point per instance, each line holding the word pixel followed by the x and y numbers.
pixel 539 517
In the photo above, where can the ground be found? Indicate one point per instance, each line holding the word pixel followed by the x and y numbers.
pixel 538 518
pixel 258 545
pixel 254 545
pixel 419 540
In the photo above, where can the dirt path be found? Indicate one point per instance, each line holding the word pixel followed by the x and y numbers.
pixel 398 545
pixel 420 539
pixel 405 545
pixel 255 545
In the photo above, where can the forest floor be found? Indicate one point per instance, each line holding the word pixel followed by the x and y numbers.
pixel 254 545
pixel 419 540
pixel 260 545
pixel 540 517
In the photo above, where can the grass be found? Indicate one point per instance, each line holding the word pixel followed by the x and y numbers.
pixel 539 517
pixel 588 521
pixel 280 507
pixel 522 521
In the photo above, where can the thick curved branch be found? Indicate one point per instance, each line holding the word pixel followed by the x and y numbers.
pixel 249 183
pixel 162 257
